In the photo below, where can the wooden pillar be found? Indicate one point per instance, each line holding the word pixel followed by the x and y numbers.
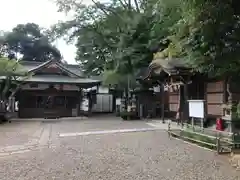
pixel 206 101
pixel 185 111
pixel 180 105
pixel 79 102
pixel 163 102
pixel 65 101
pixel 113 93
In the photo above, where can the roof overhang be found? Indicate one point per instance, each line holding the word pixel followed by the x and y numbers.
pixel 51 62
pixel 83 82
pixel 162 68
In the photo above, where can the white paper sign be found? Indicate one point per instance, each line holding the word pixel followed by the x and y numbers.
pixel 84 105
pixel 118 101
pixel 196 108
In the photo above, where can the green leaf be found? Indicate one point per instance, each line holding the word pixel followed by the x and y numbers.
pixel 118 39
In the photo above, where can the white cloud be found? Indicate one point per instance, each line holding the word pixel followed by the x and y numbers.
pixel 42 12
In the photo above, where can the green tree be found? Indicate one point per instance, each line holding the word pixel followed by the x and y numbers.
pixel 119 36
pixel 29 42
pixel 209 34
pixel 10 72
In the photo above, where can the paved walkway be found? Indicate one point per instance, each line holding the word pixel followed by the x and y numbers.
pixel 17 133
pixel 24 136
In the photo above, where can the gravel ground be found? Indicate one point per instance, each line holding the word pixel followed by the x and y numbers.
pixel 18 133
pixel 139 156
pixel 94 124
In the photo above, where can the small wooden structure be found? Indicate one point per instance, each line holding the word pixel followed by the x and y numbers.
pixel 152 99
pixel 145 102
pixel 53 89
pixel 219 93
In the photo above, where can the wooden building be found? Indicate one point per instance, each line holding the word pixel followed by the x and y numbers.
pixel 219 94
pixel 150 101
pixel 52 89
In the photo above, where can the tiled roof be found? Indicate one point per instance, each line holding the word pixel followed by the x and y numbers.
pixel 30 65
pixel 74 68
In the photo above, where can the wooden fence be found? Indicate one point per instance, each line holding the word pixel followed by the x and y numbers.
pixel 220 141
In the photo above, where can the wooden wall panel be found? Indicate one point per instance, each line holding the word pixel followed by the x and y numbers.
pixel 215 98
pixel 166 97
pixel 215 110
pixel 173 98
pixel 173 107
pixel 173 101
pixel 215 86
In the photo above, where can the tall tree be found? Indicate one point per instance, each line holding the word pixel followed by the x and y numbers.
pixel 10 71
pixel 209 33
pixel 118 36
pixel 29 42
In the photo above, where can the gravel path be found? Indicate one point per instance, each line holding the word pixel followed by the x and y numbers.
pixel 130 156
pixel 94 124
pixel 18 133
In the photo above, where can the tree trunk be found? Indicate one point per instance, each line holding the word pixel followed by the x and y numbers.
pixel 228 90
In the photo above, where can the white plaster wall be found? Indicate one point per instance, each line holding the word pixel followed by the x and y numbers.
pixel 104 90
pixel 101 89
pixel 156 89
pixel 85 104
pixel 104 103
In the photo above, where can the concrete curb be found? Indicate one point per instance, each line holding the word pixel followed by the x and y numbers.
pixel 107 132
pixel 49 120
pixel 26 147
pixel 9 150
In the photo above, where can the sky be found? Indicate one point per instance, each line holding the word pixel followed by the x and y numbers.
pixel 41 12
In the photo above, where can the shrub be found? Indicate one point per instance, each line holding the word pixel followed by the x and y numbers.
pixel 129 115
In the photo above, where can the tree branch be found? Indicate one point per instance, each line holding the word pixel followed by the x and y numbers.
pixel 100 7
pixel 129 5
pixel 104 9
pixel 123 3
pixel 137 6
